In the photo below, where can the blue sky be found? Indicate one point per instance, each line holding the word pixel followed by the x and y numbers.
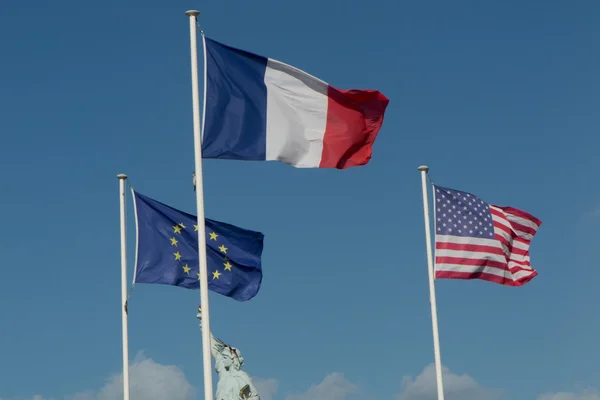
pixel 499 98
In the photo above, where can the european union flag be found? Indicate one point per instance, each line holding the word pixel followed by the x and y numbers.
pixel 167 251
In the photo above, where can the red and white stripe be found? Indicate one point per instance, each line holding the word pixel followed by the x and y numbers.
pixel 311 124
pixel 504 259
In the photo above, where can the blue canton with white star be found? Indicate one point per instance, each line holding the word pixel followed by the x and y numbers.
pixel 462 214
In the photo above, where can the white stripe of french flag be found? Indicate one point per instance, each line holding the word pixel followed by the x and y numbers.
pixel 258 108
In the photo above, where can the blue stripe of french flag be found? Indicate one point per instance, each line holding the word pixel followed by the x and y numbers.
pixel 261 109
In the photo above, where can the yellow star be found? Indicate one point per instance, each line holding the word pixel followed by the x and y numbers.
pixel 216 274
pixel 174 241
pixel 182 225
pixel 198 276
pixel 176 229
pixel 227 266
pixel 223 248
pixel 186 269
pixel 213 236
pixel 177 256
pixel 195 228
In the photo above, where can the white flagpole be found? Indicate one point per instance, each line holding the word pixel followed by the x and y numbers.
pixel 206 355
pixel 434 322
pixel 122 178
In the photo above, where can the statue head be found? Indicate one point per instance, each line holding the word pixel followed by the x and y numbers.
pixel 236 356
pixel 233 354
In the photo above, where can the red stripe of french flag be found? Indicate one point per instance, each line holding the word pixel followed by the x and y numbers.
pixel 311 124
pixel 354 118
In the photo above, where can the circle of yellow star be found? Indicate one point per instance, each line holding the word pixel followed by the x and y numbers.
pixel 223 248
pixel 216 274
pixel 227 266
pixel 176 229
pixel 195 227
pixel 186 269
pixel 177 256
pixel 174 241
pixel 182 225
pixel 213 236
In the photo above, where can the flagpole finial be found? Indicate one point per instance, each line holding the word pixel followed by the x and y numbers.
pixel 122 176
pixel 423 168
pixel 192 13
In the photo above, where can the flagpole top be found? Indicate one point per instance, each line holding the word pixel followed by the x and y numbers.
pixel 192 13
pixel 122 176
pixel 424 168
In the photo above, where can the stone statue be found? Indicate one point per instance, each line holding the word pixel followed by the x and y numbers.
pixel 234 384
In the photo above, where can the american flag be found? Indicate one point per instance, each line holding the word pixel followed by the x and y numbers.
pixel 477 240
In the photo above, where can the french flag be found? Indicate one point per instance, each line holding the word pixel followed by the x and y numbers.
pixel 257 108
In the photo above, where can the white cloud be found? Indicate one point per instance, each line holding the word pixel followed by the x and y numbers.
pixel 266 388
pixel 593 212
pixel 587 394
pixel 456 387
pixel 148 380
pixel 334 387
